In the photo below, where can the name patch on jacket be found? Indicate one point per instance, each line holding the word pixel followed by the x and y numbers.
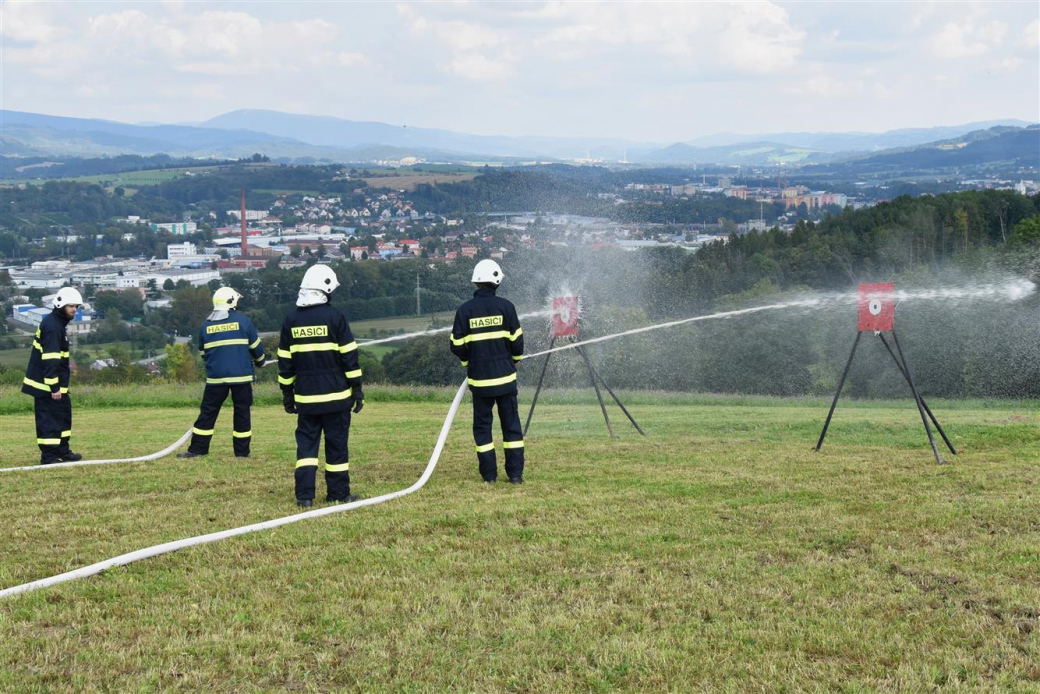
pixel 485 322
pixel 311 331
pixel 221 328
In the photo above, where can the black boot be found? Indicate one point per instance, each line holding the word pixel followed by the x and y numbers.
pixel 346 500
pixel 69 457
pixel 304 503
pixel 190 454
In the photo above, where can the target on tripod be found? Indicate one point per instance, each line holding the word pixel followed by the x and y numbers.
pixel 877 307
pixel 565 316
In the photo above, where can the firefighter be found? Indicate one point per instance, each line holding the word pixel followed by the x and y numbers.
pixel 489 341
pixel 230 346
pixel 47 380
pixel 320 378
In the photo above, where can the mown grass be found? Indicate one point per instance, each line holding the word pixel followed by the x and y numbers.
pixel 720 552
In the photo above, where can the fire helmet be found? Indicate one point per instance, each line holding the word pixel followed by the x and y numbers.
pixel 320 277
pixel 487 271
pixel 67 296
pixel 225 298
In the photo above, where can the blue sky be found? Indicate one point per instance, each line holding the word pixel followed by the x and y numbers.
pixel 646 71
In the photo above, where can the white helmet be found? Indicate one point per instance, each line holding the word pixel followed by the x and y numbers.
pixel 67 296
pixel 487 271
pixel 225 298
pixel 320 277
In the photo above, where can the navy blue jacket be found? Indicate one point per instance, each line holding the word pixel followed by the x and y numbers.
pixel 489 341
pixel 318 360
pixel 48 371
pixel 230 347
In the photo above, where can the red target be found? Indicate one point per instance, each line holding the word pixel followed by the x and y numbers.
pixel 877 307
pixel 565 316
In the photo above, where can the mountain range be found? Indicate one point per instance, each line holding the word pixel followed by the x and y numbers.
pixel 305 138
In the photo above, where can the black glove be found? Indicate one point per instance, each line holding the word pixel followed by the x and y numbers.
pixel 359 400
pixel 289 401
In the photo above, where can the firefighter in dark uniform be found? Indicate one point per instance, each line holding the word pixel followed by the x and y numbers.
pixel 47 380
pixel 230 347
pixel 489 341
pixel 320 378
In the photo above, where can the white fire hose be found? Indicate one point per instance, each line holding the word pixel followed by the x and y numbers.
pixel 167 547
pixel 164 452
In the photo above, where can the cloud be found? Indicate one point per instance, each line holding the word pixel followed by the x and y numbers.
pixel 1007 65
pixel 209 43
pixel 826 86
pixel 966 39
pixel 28 22
pixel 478 67
pixel 1031 35
pixel 748 37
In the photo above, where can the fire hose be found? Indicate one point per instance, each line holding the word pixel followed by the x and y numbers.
pixel 167 547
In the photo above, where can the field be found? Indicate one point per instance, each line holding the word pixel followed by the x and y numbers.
pixel 718 553
pixel 128 179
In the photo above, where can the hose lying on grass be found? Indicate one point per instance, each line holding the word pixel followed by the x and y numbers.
pixel 167 547
pixel 140 459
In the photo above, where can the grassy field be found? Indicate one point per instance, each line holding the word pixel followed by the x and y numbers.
pixel 718 553
pixel 133 179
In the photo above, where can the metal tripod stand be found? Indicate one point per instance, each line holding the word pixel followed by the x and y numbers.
pixel 904 369
pixel 596 381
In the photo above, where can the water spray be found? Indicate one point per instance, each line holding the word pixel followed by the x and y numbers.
pixel 876 313
pixel 565 312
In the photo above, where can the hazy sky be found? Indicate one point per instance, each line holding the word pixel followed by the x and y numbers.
pixel 644 71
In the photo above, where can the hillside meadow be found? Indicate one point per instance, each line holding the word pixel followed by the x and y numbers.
pixel 720 552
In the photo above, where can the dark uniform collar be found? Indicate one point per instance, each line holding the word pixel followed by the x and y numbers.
pixel 59 313
pixel 481 291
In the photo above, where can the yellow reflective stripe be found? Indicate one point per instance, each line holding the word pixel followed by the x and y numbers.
pixel 493 335
pixel 465 363
pixel 255 344
pixel 349 347
pixel 343 467
pixel 286 381
pixel 227 343
pixel 46 389
pixel 492 381
pixel 315 347
pixel 356 373
pixel 66 434
pixel 231 379
pixel 512 444
pixel 202 432
pixel 50 381
pixel 48 355
pixel 307 462
pixel 242 434
pixel 49 442
pixel 282 353
pixel 486 447
pixel 518 357
pixel 327 397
